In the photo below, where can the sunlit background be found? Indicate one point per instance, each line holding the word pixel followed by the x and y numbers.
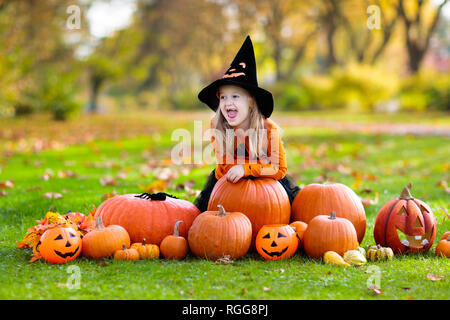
pixel 104 56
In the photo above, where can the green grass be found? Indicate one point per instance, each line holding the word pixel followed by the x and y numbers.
pixel 381 163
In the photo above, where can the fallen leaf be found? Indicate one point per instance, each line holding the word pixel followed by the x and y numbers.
pixel 48 174
pixel 107 181
pixel 3 193
pixel 224 260
pixel 165 174
pixel 267 289
pixel 34 188
pixel 367 202
pixel 343 169
pixel 36 256
pixel 66 174
pixel 121 175
pixel 6 184
pixel 357 184
pixel 155 186
pixel 366 190
pixel 374 290
pixel 433 277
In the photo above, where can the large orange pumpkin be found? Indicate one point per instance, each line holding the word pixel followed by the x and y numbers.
pixel 262 200
pixel 408 218
pixel 215 234
pixel 59 245
pixel 321 199
pixel 149 216
pixel 329 233
pixel 103 242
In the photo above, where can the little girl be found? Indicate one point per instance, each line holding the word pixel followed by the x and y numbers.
pixel 246 142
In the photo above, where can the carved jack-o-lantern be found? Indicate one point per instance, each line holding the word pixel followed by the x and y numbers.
pixel 276 241
pixel 405 224
pixel 59 245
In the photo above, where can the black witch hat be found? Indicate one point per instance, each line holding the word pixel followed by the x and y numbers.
pixel 242 72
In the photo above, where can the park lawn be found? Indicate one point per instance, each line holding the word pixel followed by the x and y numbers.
pixel 370 164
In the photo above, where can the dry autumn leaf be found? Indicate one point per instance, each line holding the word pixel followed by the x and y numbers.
pixel 367 202
pixel 165 174
pixel 109 195
pixel 7 184
pixel 66 174
pixel 224 260
pixel 443 184
pixel 52 195
pixel 107 181
pixel 375 290
pixel 155 186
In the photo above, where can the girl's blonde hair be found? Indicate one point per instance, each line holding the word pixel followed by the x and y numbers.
pixel 257 136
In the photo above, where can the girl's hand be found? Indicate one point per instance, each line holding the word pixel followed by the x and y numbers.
pixel 235 173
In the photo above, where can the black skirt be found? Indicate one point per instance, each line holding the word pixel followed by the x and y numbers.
pixel 202 200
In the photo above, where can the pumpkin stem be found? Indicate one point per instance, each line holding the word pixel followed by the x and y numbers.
pixel 332 215
pixel 406 193
pixel 99 223
pixel 124 247
pixel 176 229
pixel 222 211
pixel 143 241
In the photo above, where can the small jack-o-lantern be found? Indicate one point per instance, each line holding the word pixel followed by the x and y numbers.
pixel 59 245
pixel 276 241
pixel 405 224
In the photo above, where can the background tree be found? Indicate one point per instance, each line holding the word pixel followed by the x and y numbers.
pixel 420 19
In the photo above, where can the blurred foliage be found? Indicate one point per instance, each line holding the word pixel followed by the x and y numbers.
pixel 355 87
pixel 172 49
pixel 425 91
pixel 57 94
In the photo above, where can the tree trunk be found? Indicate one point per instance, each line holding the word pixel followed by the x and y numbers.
pixel 96 83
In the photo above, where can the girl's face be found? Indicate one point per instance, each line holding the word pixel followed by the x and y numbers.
pixel 234 103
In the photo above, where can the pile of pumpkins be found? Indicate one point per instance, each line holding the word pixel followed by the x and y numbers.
pixel 326 220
